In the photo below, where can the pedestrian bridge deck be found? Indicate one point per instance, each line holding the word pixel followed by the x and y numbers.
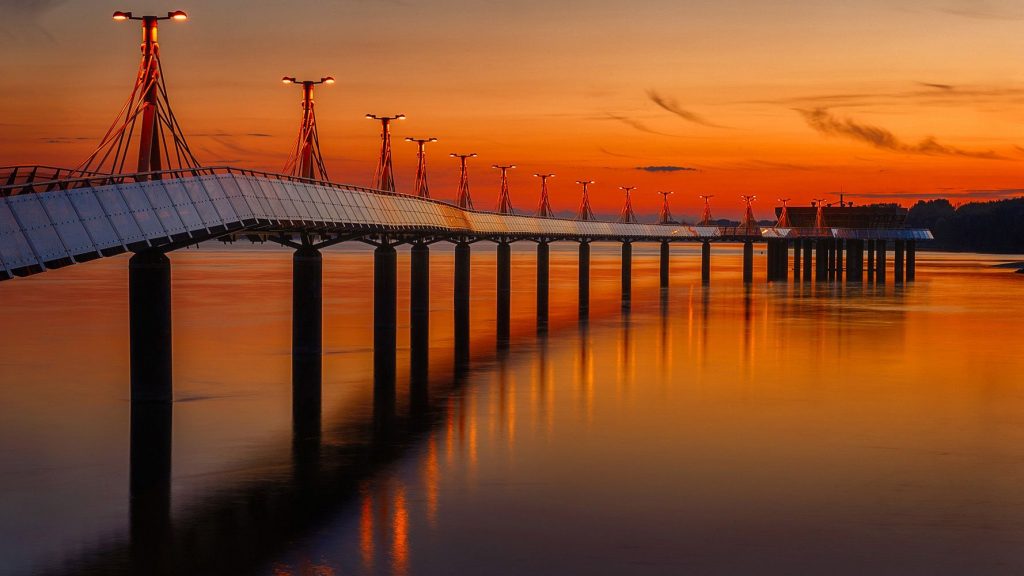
pixel 53 223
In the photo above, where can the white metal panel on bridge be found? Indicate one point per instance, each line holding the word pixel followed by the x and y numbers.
pixel 59 227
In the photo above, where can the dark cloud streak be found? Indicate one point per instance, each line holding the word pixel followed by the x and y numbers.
pixel 666 169
pixel 674 107
pixel 828 124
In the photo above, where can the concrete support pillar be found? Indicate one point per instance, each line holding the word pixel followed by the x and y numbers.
pixel 852 259
pixel 911 260
pixel 385 314
pixel 872 249
pixel 783 261
pixel 840 245
pixel 307 337
pixel 462 259
pixel 664 270
pixel 771 263
pixel 584 280
pixel 504 276
pixel 627 272
pixel 808 258
pixel 830 247
pixel 149 310
pixel 880 262
pixel 748 262
pixel 897 263
pixel 796 261
pixel 543 283
pixel 821 260
pixel 705 263
pixel 419 308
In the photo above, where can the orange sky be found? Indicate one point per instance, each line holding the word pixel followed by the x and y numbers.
pixel 884 100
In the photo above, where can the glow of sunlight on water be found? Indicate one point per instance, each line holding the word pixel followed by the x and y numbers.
pixel 776 429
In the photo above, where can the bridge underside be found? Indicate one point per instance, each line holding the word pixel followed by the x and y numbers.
pixel 55 224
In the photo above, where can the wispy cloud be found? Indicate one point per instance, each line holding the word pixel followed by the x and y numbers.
pixel 674 107
pixel 637 124
pixel 666 169
pixel 983 9
pixel 994 193
pixel 21 17
pixel 826 123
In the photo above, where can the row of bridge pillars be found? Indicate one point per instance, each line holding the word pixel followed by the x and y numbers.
pixel 150 300
pixel 829 259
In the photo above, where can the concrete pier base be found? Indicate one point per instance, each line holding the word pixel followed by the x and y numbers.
pixel 307 338
pixel 461 304
pixel 627 273
pixel 584 280
pixel 911 260
pixel 808 258
pixel 149 310
pixel 504 277
pixel 897 262
pixel 543 284
pixel 705 263
pixel 748 262
pixel 664 264
pixel 385 312
pixel 880 261
pixel 419 310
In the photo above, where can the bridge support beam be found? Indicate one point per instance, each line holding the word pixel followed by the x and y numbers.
pixel 821 260
pixel 584 280
pixel 840 245
pixel 807 260
pixel 149 309
pixel 872 248
pixel 911 260
pixel 419 311
pixel 627 273
pixel 880 262
pixel 462 269
pixel 897 263
pixel 504 276
pixel 748 262
pixel 385 312
pixel 543 284
pixel 664 266
pixel 705 263
pixel 782 267
pixel 307 339
pixel 796 260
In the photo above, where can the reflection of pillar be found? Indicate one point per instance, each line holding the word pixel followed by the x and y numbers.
pixel 584 279
pixel 796 260
pixel 627 272
pixel 504 276
pixel 897 262
pixel 149 480
pixel 911 260
pixel 871 260
pixel 880 262
pixel 385 295
pixel 419 318
pixel 705 262
pixel 149 310
pixel 307 337
pixel 664 270
pixel 748 262
pixel 543 268
pixel 462 259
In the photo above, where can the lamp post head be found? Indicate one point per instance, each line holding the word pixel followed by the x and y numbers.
pixel 120 16
pixel 288 80
pixel 178 15
pixel 327 80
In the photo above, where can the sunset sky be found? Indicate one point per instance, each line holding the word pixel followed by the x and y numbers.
pixel 885 100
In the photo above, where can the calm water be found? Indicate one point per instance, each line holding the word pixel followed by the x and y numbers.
pixel 777 430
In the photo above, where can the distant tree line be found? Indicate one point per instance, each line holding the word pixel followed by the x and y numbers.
pixel 996 226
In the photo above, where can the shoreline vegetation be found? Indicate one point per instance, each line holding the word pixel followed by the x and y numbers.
pixel 995 227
